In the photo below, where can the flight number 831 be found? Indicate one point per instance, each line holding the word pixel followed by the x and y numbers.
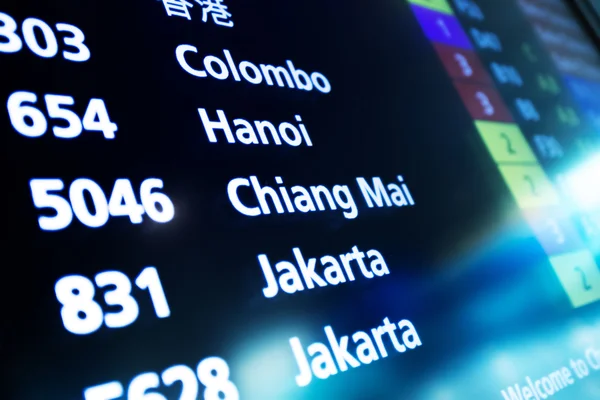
pixel 82 315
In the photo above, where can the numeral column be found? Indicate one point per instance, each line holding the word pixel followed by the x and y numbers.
pixel 573 53
pixel 576 59
pixel 530 186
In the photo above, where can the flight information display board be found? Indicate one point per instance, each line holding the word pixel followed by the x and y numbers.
pixel 223 199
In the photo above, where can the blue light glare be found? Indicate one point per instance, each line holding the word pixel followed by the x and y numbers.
pixel 583 184
pixel 514 360
pixel 265 363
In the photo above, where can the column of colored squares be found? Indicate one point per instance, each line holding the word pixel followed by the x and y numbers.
pixel 531 188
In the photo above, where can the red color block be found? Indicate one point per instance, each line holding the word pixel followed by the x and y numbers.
pixel 483 102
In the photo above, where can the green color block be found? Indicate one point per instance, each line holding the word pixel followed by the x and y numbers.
pixel 579 276
pixel 529 185
pixel 505 142
pixel 437 5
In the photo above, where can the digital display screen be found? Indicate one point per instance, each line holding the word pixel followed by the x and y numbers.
pixel 224 199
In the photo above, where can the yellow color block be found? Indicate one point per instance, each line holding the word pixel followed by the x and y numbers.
pixel 529 185
pixel 437 5
pixel 505 142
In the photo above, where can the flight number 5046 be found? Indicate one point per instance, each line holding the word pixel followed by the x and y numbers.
pixel 122 202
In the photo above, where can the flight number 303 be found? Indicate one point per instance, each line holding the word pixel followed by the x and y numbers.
pixel 122 202
pixel 11 42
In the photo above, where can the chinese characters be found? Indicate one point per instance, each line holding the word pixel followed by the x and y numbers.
pixel 215 9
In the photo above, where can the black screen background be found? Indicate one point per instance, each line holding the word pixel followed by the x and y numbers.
pixel 392 111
